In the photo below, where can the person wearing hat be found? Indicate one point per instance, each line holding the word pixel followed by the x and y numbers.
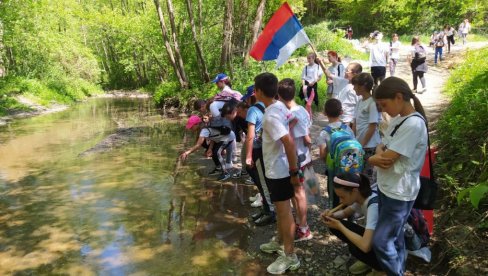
pixel 226 94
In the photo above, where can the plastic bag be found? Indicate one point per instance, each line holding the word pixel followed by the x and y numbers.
pixel 312 186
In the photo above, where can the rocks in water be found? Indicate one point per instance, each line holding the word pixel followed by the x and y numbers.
pixel 121 137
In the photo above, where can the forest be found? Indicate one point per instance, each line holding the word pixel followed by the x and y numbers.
pixel 65 50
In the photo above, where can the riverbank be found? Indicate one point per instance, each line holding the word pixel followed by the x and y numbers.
pixel 32 108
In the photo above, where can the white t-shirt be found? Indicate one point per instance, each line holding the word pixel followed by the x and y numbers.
pixel 349 99
pixel 367 113
pixel 450 31
pixel 465 28
pixel 370 213
pixel 275 126
pixel 215 107
pixel 401 181
pixel 395 49
pixel 377 53
pixel 312 73
pixel 215 136
pixel 324 136
pixel 301 129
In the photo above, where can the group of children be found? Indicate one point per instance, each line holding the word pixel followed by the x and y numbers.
pixel 276 152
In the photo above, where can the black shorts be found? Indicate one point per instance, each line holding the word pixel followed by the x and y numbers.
pixel 378 71
pixel 280 189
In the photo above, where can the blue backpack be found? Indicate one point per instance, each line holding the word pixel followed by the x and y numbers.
pixel 345 153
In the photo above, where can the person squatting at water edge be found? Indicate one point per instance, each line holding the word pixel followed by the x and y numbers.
pixel 354 191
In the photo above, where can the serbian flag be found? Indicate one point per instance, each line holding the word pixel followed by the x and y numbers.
pixel 280 38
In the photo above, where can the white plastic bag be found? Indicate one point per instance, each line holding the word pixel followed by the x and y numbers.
pixel 311 185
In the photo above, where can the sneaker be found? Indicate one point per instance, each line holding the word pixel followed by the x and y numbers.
pixel 283 263
pixel 217 170
pixel 265 219
pixel 271 247
pixel 223 177
pixel 301 236
pixel 257 203
pixel 237 174
pixel 359 268
pixel 421 91
pixel 257 215
pixel 249 181
pixel 414 91
pixel 254 198
pixel 244 172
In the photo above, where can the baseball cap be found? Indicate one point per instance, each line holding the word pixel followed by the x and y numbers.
pixel 220 77
pixel 193 121
pixel 249 93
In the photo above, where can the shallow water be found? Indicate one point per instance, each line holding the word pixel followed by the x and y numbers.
pixel 131 210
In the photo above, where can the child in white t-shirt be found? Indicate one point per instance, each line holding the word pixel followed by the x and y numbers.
pixel 347 96
pixel 281 170
pixel 366 122
pixel 301 136
pixel 336 69
pixel 311 75
pixel 395 46
pixel 399 159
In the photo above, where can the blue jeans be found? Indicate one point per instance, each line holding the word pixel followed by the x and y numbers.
pixel 388 238
pixel 438 52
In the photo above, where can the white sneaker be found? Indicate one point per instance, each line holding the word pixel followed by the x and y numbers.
pixel 283 263
pixel 257 203
pixel 271 247
pixel 249 181
pixel 255 197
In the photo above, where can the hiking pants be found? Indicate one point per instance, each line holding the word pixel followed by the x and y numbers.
pixel 420 75
pixel 388 238
pixel 450 40
pixel 217 157
pixel 368 258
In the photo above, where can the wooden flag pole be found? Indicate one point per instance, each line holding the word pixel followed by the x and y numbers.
pixel 317 55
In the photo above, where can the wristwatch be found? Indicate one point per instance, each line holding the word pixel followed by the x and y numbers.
pixel 294 173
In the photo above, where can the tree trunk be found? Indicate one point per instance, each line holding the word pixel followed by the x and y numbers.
pixel 225 57
pixel 2 52
pixel 200 17
pixel 239 36
pixel 181 66
pixel 200 59
pixel 255 30
pixel 169 50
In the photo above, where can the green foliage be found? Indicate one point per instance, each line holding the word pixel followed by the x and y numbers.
pixel 462 131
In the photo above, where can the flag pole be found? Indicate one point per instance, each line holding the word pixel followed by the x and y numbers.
pixel 317 55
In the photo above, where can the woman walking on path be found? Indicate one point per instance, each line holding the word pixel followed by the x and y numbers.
pixel 416 58
pixel 395 46
pixel 449 32
pixel 399 159
pixel 336 69
pixel 311 75
pixel 464 29
pixel 439 46
pixel 378 57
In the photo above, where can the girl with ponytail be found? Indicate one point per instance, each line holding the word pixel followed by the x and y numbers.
pixel 399 159
pixel 355 192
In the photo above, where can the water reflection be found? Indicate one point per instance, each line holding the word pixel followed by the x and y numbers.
pixel 130 210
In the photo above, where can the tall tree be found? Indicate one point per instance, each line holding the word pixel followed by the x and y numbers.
pixel 2 53
pixel 225 58
pixel 169 50
pixel 255 29
pixel 181 66
pixel 200 58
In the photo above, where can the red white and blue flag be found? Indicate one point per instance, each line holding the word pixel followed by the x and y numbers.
pixel 280 38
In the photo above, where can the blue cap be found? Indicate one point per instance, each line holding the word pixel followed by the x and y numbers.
pixel 220 77
pixel 249 93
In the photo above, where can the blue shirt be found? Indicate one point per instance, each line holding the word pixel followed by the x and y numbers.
pixel 255 117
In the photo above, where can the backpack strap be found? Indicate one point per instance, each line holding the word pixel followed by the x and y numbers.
pixel 372 201
pixel 339 70
pixel 260 107
pixel 428 140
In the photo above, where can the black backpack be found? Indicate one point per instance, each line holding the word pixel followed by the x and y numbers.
pixel 420 54
pixel 219 126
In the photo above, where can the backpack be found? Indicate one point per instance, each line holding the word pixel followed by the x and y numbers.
pixel 439 42
pixel 420 53
pixel 345 152
pixel 419 225
pixel 219 126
